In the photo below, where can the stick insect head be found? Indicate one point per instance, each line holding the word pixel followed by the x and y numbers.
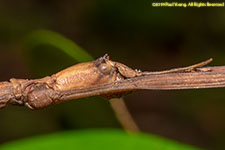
pixel 122 70
pixel 108 68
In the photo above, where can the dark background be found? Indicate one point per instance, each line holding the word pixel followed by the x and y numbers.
pixel 131 32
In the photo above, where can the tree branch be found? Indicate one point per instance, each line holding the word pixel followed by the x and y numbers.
pixel 214 77
pixel 104 77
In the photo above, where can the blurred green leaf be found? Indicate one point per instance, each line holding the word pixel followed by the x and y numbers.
pixel 48 52
pixel 96 139
pixel 46 37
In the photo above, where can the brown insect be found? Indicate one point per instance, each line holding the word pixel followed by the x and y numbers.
pixel 107 78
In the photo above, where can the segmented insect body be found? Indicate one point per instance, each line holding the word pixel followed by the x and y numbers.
pixel 39 93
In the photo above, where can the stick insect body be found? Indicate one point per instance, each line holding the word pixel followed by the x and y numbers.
pixel 79 81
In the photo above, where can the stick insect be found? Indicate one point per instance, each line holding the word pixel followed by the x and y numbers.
pixel 103 77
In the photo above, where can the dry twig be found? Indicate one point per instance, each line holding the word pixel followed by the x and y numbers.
pixel 105 78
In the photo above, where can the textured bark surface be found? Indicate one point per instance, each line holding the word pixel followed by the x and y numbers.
pixel 104 77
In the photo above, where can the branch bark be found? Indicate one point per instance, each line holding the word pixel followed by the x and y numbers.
pixel 104 77
pixel 214 77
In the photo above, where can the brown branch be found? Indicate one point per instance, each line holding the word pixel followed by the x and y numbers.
pixel 106 78
pixel 190 80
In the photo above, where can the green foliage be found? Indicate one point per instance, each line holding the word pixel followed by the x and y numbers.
pixel 46 37
pixel 96 139
pixel 49 52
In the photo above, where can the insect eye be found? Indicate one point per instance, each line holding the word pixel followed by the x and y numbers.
pixel 105 68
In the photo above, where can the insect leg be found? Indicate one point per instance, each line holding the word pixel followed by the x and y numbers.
pixel 194 67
